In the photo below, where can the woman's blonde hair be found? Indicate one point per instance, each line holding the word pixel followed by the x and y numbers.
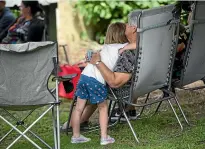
pixel 116 33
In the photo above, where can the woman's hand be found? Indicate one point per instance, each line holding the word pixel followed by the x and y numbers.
pixel 180 47
pixel 95 58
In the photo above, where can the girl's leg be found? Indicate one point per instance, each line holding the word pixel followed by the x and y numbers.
pixel 103 120
pixel 87 112
pixel 76 116
pixel 103 111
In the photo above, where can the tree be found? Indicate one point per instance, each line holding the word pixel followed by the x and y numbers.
pixel 99 14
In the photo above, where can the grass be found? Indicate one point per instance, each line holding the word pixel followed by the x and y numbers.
pixel 161 131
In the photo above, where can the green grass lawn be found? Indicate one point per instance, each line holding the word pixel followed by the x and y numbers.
pixel 160 131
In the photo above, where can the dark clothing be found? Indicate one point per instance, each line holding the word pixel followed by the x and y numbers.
pixel 125 64
pixel 6 19
pixel 178 63
pixel 26 30
pixel 36 29
pixel 18 32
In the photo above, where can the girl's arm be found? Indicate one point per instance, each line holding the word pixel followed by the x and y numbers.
pixel 131 46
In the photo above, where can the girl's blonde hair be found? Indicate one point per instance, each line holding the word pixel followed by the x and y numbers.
pixel 116 33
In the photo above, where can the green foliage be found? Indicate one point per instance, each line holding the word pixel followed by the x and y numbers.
pixel 99 14
pixel 15 12
pixel 159 131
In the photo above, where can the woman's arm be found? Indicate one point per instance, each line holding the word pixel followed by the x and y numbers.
pixel 114 79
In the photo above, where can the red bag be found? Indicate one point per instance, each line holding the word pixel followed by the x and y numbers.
pixel 65 70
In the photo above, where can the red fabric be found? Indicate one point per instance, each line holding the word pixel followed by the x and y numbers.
pixel 65 70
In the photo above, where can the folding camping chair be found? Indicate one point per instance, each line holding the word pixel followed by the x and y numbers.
pixel 193 63
pixel 24 73
pixel 158 31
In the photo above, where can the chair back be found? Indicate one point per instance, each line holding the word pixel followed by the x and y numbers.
pixel 24 73
pixel 194 63
pixel 158 30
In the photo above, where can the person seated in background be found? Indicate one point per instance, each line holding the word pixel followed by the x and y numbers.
pixel 181 48
pixel 29 27
pixel 6 19
pixel 182 43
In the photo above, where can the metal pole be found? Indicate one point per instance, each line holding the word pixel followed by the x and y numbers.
pixel 175 114
pixel 57 114
pixel 19 136
pixel 23 134
pixel 54 127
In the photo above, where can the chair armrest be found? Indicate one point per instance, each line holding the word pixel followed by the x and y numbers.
pixel 64 78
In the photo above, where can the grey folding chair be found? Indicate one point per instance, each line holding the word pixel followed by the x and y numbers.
pixel 194 63
pixel 158 31
pixel 24 73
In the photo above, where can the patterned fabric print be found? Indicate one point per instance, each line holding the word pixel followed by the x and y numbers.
pixel 18 32
pixel 122 92
pixel 125 64
pixel 90 89
pixel 178 63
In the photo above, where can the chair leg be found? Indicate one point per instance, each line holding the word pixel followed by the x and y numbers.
pixel 123 111
pixel 90 129
pixel 7 134
pixel 144 106
pixel 39 138
pixel 22 134
pixel 24 127
pixel 157 109
pixel 176 99
pixel 54 127
pixel 164 95
pixel 57 116
pixel 175 114
pixel 111 111
pixel 70 114
pixel 110 107
pixel 58 126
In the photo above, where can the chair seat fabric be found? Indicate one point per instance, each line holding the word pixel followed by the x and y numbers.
pixel 24 72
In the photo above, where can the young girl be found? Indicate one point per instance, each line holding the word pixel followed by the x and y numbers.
pixel 92 86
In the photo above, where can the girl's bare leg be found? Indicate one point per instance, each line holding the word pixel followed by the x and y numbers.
pixel 76 116
pixel 103 120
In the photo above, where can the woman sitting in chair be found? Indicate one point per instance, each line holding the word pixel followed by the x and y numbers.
pixel 182 43
pixel 29 27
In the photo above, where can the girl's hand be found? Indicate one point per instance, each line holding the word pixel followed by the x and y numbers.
pixel 95 58
pixel 121 50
